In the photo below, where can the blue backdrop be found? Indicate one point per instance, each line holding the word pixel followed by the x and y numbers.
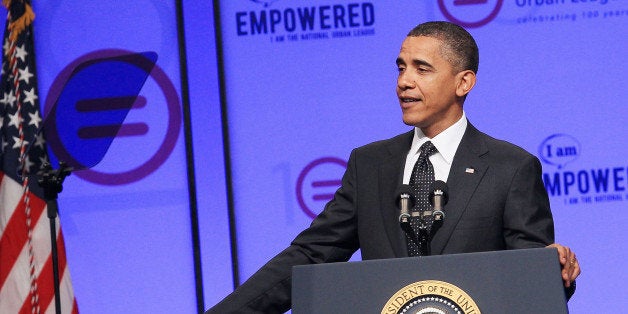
pixel 307 81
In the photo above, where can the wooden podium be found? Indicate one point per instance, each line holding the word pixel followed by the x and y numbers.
pixel 515 281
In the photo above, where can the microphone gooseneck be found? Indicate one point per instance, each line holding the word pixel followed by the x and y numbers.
pixel 405 202
pixel 438 198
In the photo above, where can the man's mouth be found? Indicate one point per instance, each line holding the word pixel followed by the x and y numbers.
pixel 409 99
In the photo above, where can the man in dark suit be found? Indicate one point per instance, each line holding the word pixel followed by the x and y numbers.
pixel 497 198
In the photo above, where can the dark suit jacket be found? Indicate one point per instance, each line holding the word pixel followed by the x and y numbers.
pixel 497 201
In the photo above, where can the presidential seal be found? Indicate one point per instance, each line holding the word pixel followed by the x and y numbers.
pixel 430 297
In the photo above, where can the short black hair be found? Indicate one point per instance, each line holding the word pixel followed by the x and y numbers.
pixel 459 47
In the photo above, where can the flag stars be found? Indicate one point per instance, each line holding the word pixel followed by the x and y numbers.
pixel 25 75
pixel 4 145
pixel 5 98
pixel 23 149
pixel 30 96
pixel 28 164
pixel 6 45
pixel 9 99
pixel 21 53
pixel 14 120
pixel 17 142
pixel 43 159
pixel 34 119
pixel 39 140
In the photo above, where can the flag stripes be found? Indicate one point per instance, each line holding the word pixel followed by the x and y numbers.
pixel 26 266
pixel 14 268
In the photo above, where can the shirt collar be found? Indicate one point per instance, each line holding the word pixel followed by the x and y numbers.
pixel 445 142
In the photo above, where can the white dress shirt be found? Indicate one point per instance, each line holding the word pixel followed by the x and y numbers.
pixel 445 142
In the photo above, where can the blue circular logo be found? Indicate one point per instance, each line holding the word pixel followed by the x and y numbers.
pixel 559 150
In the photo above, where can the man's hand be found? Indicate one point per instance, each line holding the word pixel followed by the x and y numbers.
pixel 568 262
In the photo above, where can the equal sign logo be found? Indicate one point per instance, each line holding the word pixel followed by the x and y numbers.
pixel 86 110
pixel 111 130
pixel 326 194
pixel 91 108
pixel 469 2
pixel 317 183
pixel 470 13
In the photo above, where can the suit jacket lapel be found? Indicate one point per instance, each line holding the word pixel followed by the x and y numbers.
pixel 390 179
pixel 467 170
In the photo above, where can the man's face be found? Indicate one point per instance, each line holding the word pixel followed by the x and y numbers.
pixel 426 86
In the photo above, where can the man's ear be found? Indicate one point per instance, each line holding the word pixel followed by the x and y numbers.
pixel 466 81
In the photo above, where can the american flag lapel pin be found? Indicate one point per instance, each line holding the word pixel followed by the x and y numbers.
pixel 469 170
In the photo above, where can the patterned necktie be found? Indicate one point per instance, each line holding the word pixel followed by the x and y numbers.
pixel 420 181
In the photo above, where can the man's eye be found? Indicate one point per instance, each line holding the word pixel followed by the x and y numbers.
pixel 400 69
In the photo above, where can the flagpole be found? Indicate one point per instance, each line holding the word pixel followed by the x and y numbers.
pixel 52 214
pixel 51 181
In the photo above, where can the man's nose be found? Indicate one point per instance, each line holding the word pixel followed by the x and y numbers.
pixel 405 81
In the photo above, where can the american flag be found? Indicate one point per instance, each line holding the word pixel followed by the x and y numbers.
pixel 26 275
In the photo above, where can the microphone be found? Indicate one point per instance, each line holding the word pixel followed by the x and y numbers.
pixel 405 202
pixel 438 198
